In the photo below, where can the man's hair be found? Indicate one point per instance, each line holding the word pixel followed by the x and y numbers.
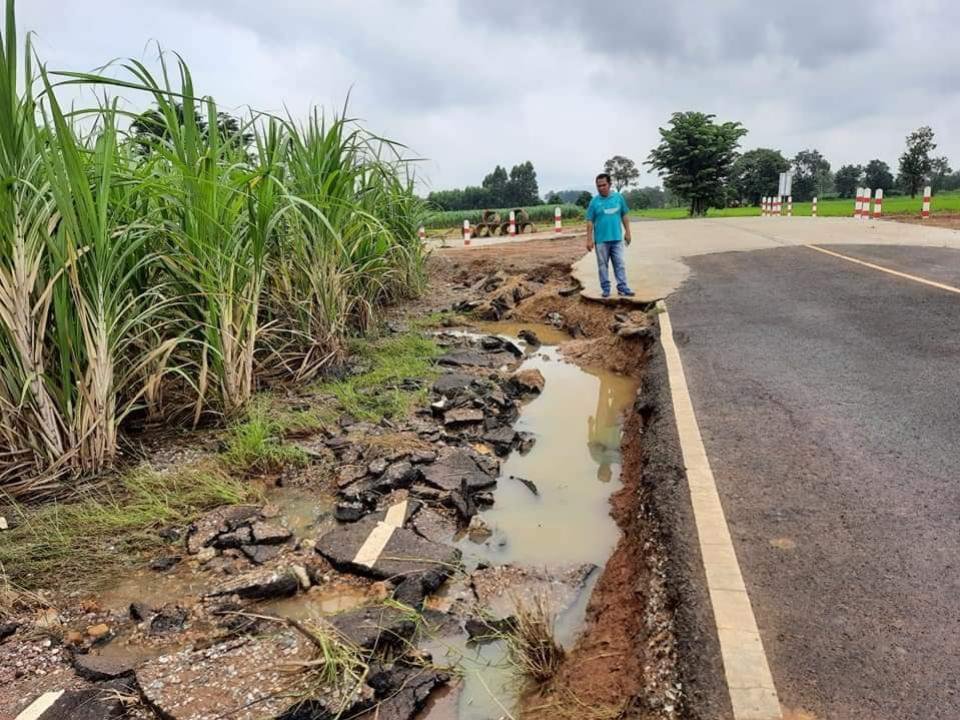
pixel 605 176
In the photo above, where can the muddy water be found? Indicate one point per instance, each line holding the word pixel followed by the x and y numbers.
pixel 575 465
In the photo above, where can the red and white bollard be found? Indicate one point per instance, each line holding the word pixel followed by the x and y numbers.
pixel 777 206
pixel 466 232
pixel 557 219
pixel 813 208
pixel 925 212
pixel 512 227
pixel 422 233
pixel 763 206
pixel 858 204
pixel 789 205
pixel 766 206
pixel 865 210
pixel 878 203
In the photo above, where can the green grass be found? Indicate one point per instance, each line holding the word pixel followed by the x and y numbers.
pixel 375 393
pixel 897 205
pixel 84 540
pixel 256 444
pixel 539 214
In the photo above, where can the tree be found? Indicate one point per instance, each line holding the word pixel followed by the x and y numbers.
pixel 522 187
pixel 756 173
pixel 695 157
pixel 584 199
pixel 811 175
pixel 150 128
pixel 939 172
pixel 553 198
pixel 623 171
pixel 496 185
pixel 645 198
pixel 915 163
pixel 877 175
pixel 848 179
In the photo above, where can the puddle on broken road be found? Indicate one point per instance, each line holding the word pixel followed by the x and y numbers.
pixel 575 465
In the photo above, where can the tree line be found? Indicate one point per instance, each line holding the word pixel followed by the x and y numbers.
pixel 699 162
pixel 499 189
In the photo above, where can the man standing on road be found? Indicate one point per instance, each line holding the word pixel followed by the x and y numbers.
pixel 608 227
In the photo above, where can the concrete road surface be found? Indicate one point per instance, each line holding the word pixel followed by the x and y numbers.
pixel 826 387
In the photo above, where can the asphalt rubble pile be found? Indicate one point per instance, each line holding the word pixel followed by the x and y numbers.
pixel 408 490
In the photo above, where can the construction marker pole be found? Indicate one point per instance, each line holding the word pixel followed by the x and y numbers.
pixel 813 208
pixel 766 206
pixel 858 205
pixel 777 207
pixel 925 212
pixel 557 219
pixel 789 205
pixel 512 227
pixel 867 197
pixel 763 206
pixel 422 234
pixel 878 204
pixel 466 232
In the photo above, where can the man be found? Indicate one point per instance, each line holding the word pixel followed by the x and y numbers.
pixel 607 228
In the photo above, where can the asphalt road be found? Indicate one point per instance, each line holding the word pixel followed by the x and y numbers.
pixel 828 397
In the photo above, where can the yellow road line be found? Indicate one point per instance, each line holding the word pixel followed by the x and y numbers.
pixel 753 695
pixel 881 268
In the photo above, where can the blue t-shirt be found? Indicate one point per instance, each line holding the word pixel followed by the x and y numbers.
pixel 605 214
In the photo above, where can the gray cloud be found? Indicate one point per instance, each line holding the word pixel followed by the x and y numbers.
pixel 564 84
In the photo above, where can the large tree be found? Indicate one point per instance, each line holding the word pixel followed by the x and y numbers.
pixel 645 198
pixel 811 175
pixel 623 171
pixel 756 173
pixel 915 163
pixel 877 175
pixel 847 180
pixel 496 185
pixel 940 170
pixel 522 187
pixel 583 200
pixel 695 156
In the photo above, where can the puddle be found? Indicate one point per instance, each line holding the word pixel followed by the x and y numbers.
pixel 325 600
pixel 575 465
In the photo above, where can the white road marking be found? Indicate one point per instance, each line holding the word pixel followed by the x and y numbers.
pixel 39 706
pixel 881 268
pixel 753 695
pixel 377 540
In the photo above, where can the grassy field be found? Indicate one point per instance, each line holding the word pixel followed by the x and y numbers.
pixel 901 205
pixel 539 214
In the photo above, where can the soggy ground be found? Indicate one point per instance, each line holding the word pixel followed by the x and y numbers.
pixel 389 577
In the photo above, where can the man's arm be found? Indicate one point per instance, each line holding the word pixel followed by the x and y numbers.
pixel 625 219
pixel 589 235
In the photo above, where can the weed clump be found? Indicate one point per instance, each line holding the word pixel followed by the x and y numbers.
pixel 534 651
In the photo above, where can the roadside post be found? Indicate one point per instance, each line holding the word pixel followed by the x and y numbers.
pixel 557 219
pixel 878 204
pixel 865 210
pixel 858 204
pixel 763 206
pixel 512 227
pixel 466 232
pixel 786 191
pixel 813 208
pixel 925 212
pixel 777 206
pixel 422 234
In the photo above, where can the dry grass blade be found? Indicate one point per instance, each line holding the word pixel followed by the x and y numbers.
pixel 534 650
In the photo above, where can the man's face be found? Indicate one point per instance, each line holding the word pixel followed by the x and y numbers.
pixel 603 186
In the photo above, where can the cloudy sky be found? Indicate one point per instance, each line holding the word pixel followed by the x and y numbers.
pixel 468 84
